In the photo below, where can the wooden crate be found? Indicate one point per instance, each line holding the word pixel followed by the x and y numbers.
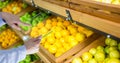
pixel 58 2
pixel 102 10
pixel 70 52
pixel 94 44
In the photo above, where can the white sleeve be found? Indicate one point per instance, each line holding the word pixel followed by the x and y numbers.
pixel 1 22
pixel 13 55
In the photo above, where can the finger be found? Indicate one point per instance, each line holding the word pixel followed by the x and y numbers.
pixel 16 27
pixel 21 23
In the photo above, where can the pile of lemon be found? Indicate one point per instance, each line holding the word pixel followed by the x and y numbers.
pixel 8 38
pixel 63 37
pixel 14 7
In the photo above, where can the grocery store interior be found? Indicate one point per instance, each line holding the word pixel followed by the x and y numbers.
pixel 73 31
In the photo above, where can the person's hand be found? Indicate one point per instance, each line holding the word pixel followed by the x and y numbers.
pixel 13 20
pixel 32 45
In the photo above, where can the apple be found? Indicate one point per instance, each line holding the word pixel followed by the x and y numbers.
pixel 99 56
pixel 92 51
pixel 113 43
pixel 77 60
pixel 114 54
pixel 119 46
pixel 107 41
pixel 87 56
pixel 92 61
pixel 113 60
pixel 107 49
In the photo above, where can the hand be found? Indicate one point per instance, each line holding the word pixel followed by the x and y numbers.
pixel 13 20
pixel 32 45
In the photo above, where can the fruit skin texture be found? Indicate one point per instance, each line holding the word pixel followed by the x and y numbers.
pixel 113 60
pixel 114 54
pixel 107 41
pixel 92 61
pixel 99 56
pixel 77 60
pixel 86 56
pixel 119 46
pixel 92 51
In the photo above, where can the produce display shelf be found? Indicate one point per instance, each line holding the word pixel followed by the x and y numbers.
pixel 105 6
pixel 104 25
pixel 94 44
pixel 70 52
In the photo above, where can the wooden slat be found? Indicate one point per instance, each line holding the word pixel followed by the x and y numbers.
pixel 97 42
pixel 107 26
pixel 99 13
pixel 58 2
pixel 43 58
pixel 103 6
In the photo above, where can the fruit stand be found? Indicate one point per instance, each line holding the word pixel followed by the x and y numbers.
pixel 81 39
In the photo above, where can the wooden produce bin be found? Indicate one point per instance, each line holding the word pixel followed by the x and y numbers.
pixel 102 10
pixel 94 44
pixel 70 52
pixel 59 2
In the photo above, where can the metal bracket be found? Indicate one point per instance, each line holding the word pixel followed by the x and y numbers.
pixel 69 18
pixel 32 1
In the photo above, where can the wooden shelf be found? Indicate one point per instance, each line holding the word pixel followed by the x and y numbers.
pixel 107 26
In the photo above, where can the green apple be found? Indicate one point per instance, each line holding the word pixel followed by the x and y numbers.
pixel 119 46
pixel 99 56
pixel 114 54
pixel 113 60
pixel 107 41
pixel 77 60
pixel 100 49
pixel 113 43
pixel 92 51
pixel 92 61
pixel 112 48
pixel 107 49
pixel 86 56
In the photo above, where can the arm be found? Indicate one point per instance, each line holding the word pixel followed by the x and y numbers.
pixel 13 55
